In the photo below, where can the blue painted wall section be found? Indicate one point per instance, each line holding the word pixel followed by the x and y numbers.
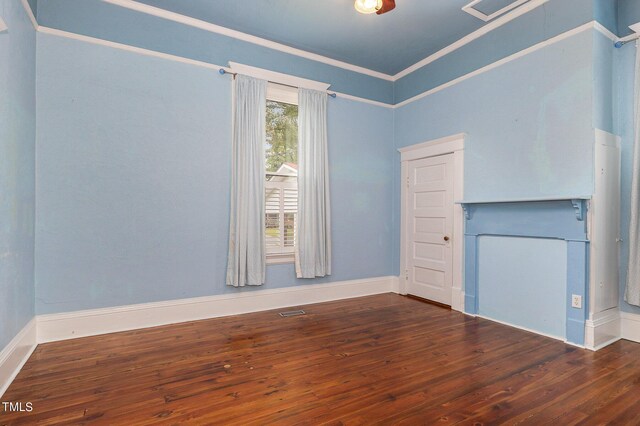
pixel 548 219
pixel 123 138
pixel 103 20
pixel 538 25
pixel 17 170
pixel 134 175
pixel 522 120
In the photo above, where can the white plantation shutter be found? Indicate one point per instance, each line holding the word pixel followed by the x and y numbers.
pixel 281 216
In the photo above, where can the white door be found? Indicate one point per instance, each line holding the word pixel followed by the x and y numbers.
pixel 429 228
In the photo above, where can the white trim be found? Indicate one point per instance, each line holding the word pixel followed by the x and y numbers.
pixel 603 329
pixel 517 55
pixel 364 100
pixel 93 322
pixel 3 26
pixel 471 37
pixel 169 57
pixel 630 324
pixel 280 259
pixel 282 93
pixel 16 353
pixel 32 18
pixel 395 285
pixel 604 30
pixel 448 145
pixel 277 77
pixel 128 48
pixel 530 330
pixel 471 10
pixel 217 29
pixel 207 26
pixel 146 52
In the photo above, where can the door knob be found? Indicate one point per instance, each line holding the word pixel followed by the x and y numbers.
pixel 446 238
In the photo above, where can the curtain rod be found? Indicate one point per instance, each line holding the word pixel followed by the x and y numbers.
pixel 222 71
pixel 626 40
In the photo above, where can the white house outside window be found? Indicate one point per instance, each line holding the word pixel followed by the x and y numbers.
pixel 281 166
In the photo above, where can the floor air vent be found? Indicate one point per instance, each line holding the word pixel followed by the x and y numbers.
pixel 292 313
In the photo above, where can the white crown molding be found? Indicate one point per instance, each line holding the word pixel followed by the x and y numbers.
pixel 32 18
pixel 196 23
pixel 16 353
pixel 169 57
pixel 207 26
pixel 364 100
pixel 128 48
pixel 517 55
pixel 472 36
pixel 593 25
pixel 93 322
pixel 604 30
pixel 238 35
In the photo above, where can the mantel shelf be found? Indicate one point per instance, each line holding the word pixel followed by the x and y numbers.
pixel 578 203
pixel 525 200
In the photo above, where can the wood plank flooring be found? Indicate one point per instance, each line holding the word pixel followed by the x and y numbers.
pixel 382 359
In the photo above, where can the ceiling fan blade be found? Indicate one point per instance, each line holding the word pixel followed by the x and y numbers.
pixel 387 6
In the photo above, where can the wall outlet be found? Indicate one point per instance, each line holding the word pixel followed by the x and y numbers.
pixel 576 301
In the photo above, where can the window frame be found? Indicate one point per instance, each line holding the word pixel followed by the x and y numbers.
pixel 289 95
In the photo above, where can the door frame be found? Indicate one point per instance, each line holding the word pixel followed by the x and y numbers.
pixel 448 145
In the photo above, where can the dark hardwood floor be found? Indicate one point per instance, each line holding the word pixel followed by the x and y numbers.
pixel 375 360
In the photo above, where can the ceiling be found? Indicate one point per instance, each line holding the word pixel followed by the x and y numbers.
pixel 388 43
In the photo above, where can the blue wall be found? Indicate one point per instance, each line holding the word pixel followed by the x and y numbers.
pixel 17 170
pixel 524 120
pixel 120 169
pixel 538 25
pixel 529 126
pixel 103 20
pixel 133 181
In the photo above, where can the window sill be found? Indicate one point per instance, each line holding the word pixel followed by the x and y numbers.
pixel 278 259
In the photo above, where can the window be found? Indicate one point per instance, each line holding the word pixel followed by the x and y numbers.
pixel 281 165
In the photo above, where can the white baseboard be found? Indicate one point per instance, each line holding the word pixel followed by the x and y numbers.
pixel 71 325
pixel 530 330
pixel 457 299
pixel 395 285
pixel 603 330
pixel 630 326
pixel 16 353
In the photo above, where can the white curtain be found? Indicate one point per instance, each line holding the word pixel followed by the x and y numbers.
pixel 246 262
pixel 632 293
pixel 313 245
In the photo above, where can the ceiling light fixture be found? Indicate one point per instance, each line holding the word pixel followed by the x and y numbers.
pixel 368 6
